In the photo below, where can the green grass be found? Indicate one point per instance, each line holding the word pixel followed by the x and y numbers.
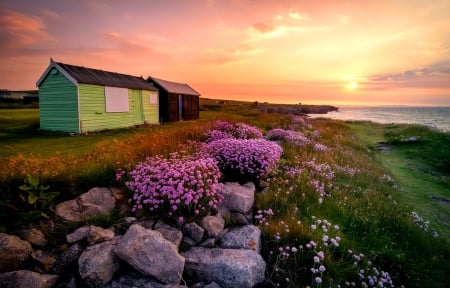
pixel 368 197
pixel 421 168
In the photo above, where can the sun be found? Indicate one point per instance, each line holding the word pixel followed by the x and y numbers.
pixel 352 85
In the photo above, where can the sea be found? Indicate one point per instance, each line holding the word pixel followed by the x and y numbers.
pixel 436 117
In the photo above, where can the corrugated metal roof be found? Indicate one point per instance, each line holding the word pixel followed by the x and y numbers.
pixel 174 87
pixel 99 77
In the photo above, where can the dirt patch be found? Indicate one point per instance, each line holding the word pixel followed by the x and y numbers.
pixel 383 146
pixel 442 199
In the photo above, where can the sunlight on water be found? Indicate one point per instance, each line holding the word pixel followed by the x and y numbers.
pixel 436 117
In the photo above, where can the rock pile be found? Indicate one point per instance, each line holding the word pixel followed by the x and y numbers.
pixel 140 253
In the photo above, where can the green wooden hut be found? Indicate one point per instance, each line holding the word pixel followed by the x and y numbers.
pixel 79 99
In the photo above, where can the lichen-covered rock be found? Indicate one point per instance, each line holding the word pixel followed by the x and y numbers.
pixel 213 225
pixel 194 231
pixel 245 237
pixel 13 252
pixel 227 267
pixel 94 202
pixel 151 254
pixel 171 234
pixel 98 263
pixel 238 198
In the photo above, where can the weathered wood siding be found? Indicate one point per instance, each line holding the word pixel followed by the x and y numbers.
pixel 151 110
pixel 190 107
pixel 58 107
pixel 173 108
pixel 93 115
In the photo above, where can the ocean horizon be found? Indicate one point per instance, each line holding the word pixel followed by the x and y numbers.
pixel 437 117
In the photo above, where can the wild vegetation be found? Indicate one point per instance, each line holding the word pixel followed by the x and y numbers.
pixel 331 213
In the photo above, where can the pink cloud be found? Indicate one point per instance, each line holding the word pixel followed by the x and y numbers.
pixel 20 30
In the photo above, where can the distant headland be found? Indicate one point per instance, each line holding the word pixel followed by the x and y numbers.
pixel 294 109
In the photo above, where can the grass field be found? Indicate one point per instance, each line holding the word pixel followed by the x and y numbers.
pixel 336 206
pixel 421 167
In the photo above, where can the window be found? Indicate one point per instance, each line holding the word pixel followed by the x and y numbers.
pixel 153 98
pixel 116 99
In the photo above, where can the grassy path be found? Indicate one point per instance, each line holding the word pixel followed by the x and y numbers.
pixel 424 188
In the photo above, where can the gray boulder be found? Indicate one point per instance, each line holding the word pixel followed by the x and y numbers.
pixel 94 202
pixel 27 279
pixel 227 267
pixel 98 263
pixel 13 252
pixel 171 234
pixel 245 237
pixel 213 225
pixel 194 231
pixel 151 254
pixel 238 198
pixel 78 235
pixel 67 258
pixel 133 280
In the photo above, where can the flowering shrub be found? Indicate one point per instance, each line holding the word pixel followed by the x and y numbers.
pixel 294 137
pixel 245 159
pixel 225 130
pixel 178 187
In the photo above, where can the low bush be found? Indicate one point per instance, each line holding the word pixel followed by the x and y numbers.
pixel 179 187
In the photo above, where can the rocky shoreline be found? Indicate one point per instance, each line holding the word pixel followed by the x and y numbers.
pixel 301 110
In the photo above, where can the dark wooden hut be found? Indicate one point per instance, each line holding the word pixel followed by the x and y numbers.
pixel 177 101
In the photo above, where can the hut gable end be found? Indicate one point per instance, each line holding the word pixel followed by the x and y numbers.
pixel 79 99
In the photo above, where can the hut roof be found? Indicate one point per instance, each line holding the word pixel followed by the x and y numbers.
pixel 174 87
pixel 79 74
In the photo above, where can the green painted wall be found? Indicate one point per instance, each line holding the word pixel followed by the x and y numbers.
pixel 93 114
pixel 151 111
pixel 58 108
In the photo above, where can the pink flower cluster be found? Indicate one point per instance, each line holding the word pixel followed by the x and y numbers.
pixel 295 137
pixel 226 130
pixel 245 159
pixel 178 186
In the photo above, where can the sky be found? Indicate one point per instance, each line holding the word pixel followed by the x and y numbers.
pixel 355 52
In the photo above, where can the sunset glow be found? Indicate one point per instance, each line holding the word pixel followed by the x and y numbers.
pixel 289 51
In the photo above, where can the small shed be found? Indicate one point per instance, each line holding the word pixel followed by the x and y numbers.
pixel 79 99
pixel 177 101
